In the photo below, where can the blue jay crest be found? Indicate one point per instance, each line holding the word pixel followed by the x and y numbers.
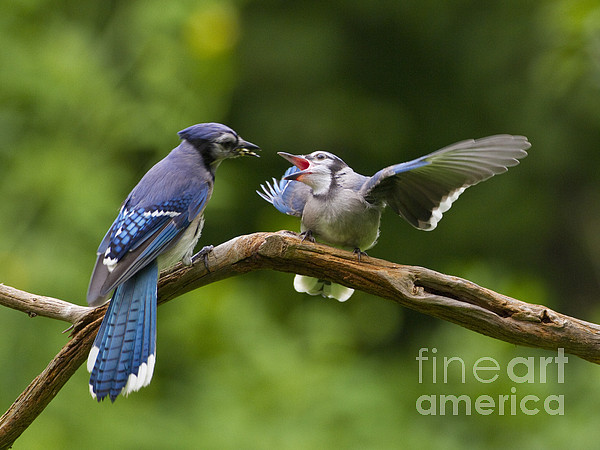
pixel 209 132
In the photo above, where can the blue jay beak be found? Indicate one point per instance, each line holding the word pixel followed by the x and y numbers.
pixel 300 162
pixel 246 148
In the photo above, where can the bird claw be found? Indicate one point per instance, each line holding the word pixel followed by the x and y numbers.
pixel 203 253
pixel 307 236
pixel 359 253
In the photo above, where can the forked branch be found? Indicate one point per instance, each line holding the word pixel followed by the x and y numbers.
pixel 450 298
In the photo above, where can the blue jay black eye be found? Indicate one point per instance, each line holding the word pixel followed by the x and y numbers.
pixel 321 156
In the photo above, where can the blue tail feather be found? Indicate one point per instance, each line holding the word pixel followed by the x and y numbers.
pixel 145 338
pixel 124 349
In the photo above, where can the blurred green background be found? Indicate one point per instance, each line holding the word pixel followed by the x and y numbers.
pixel 92 95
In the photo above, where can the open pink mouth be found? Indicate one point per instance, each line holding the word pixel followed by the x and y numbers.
pixel 300 162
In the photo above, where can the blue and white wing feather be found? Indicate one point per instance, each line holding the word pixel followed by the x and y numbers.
pixel 288 196
pixel 423 189
pixel 124 352
pixel 139 235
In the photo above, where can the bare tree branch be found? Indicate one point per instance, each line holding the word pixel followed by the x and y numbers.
pixel 34 305
pixel 40 392
pixel 443 296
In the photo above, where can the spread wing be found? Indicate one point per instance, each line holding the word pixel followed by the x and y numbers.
pixel 288 196
pixel 423 189
pixel 139 235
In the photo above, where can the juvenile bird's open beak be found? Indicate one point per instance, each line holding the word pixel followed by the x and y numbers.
pixel 246 148
pixel 299 161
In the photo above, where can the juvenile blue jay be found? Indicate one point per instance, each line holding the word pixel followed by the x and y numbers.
pixel 343 208
pixel 158 225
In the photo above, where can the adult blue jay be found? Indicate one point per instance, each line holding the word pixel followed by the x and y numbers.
pixel 343 208
pixel 158 225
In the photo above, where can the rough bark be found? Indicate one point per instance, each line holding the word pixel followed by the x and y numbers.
pixel 446 297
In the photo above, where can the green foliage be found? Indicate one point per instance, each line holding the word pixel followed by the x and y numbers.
pixel 92 94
